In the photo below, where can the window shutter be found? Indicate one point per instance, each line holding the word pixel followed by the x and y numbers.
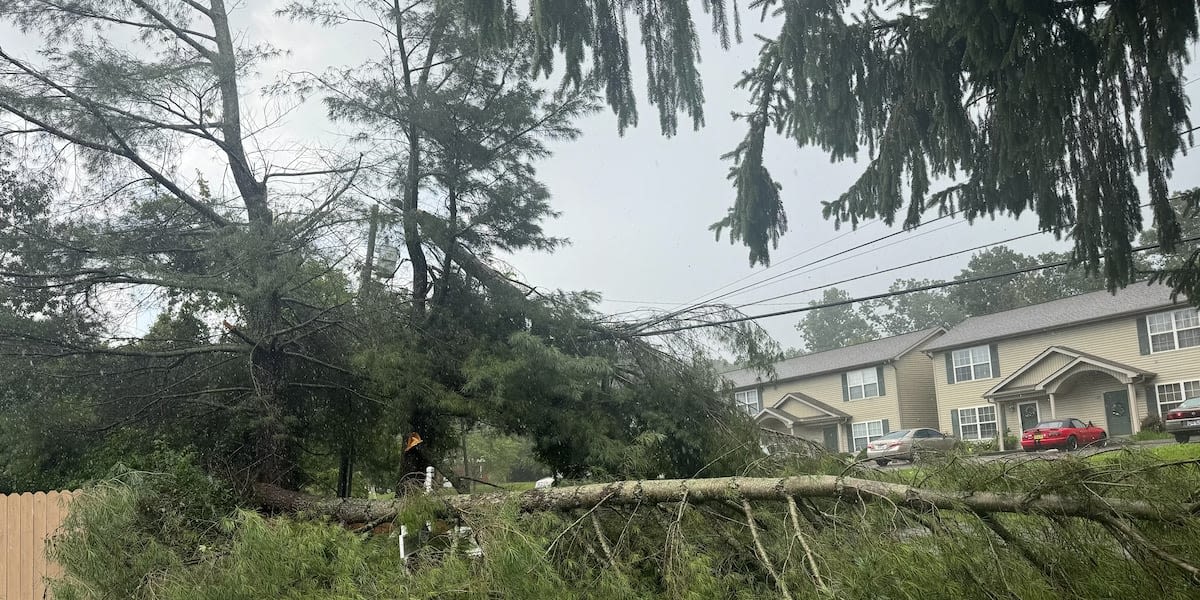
pixel 954 423
pixel 879 376
pixel 995 352
pixel 886 430
pixel 845 389
pixel 1151 400
pixel 949 366
pixel 1143 337
pixel 759 393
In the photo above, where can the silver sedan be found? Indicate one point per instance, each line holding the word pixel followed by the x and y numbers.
pixel 905 444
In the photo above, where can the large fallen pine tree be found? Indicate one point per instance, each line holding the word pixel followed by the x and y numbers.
pixel 1119 525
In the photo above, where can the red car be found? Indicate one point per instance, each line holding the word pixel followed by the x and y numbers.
pixel 1064 434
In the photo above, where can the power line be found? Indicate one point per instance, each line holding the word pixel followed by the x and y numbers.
pixel 698 299
pixel 697 303
pixel 677 312
pixel 924 288
pixel 890 269
pixel 872 251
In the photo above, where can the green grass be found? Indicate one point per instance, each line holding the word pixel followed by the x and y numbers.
pixel 1147 435
pixel 518 486
pixel 1173 452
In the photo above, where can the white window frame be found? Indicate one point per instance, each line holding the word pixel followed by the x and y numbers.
pixel 1187 389
pixel 743 403
pixel 969 360
pixel 861 381
pixel 867 436
pixel 1156 327
pixel 977 423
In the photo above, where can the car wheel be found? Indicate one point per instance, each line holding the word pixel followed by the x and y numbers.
pixel 883 462
pixel 1072 443
pixel 1183 438
pixel 1103 441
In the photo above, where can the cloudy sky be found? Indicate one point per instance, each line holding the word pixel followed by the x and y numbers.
pixel 637 207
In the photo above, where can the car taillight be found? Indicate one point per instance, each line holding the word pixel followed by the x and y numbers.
pixel 1174 415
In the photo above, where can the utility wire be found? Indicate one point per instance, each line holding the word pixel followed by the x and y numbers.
pixel 677 312
pixel 924 288
pixel 700 299
pixel 698 303
pixel 890 269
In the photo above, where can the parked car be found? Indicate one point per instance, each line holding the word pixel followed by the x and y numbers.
pixel 1184 420
pixel 905 444
pixel 1063 434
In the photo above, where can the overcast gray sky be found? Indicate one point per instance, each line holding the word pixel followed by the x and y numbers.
pixel 637 208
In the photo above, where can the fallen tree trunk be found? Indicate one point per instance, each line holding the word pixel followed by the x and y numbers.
pixel 850 489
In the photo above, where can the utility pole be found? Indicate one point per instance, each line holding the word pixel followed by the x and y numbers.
pixel 346 460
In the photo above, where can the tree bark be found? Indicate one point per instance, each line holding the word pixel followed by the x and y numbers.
pixel 726 488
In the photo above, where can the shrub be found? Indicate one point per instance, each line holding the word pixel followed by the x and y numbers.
pixel 1153 423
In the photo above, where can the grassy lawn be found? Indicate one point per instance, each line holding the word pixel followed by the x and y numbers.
pixel 1146 435
pixel 1173 452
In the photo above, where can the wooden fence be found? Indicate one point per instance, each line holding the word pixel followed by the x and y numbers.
pixel 26 522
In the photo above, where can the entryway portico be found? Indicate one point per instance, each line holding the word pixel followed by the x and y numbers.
pixel 1064 383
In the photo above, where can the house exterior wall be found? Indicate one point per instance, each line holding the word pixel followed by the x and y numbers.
pixel 917 396
pixel 1085 399
pixel 799 409
pixel 828 389
pixel 813 434
pixel 1040 371
pixel 1115 339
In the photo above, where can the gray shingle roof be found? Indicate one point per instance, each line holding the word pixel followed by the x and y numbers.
pixel 842 359
pixel 1056 314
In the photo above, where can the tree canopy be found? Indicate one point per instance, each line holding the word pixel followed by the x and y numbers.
pixel 280 349
pixel 979 108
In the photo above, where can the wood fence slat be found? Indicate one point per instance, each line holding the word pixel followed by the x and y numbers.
pixel 5 547
pixel 27 554
pixel 38 544
pixel 27 523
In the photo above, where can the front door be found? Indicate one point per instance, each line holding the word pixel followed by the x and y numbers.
pixel 831 441
pixel 1029 415
pixel 1116 406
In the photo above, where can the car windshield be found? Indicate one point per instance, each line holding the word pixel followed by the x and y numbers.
pixel 1190 403
pixel 896 435
pixel 1053 424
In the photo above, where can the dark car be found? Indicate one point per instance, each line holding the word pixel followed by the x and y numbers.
pixel 1184 420
pixel 1062 434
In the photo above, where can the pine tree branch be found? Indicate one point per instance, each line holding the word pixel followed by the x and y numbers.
pixel 846 489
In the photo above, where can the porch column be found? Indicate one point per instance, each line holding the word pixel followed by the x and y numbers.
pixel 1133 408
pixel 1001 423
pixel 1053 412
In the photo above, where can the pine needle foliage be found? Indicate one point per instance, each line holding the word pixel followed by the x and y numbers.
pixel 816 548
pixel 1054 108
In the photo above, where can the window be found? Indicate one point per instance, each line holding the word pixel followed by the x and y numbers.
pixel 862 384
pixel 1171 395
pixel 1173 330
pixel 978 423
pixel 865 433
pixel 972 363
pixel 747 401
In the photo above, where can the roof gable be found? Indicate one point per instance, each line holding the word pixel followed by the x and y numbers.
pixel 841 359
pixel 1079 360
pixel 810 401
pixel 1138 298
